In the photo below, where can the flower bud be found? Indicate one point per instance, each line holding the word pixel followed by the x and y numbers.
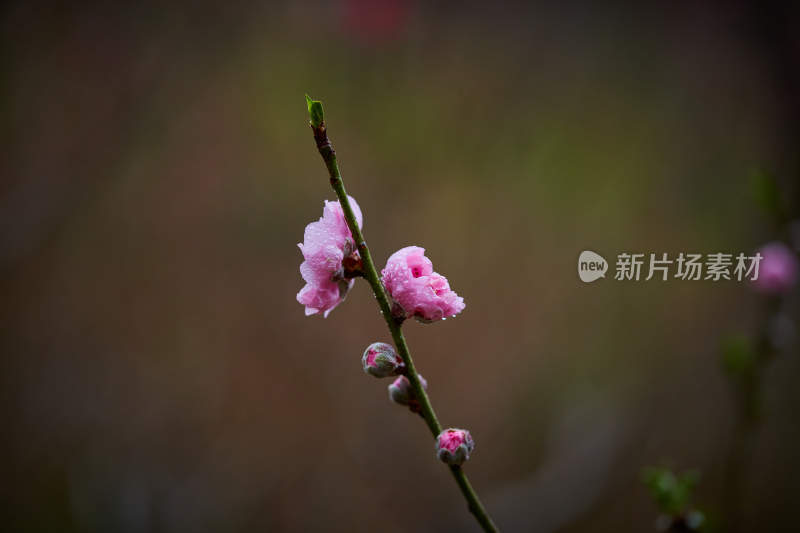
pixel 400 390
pixel 453 446
pixel 380 360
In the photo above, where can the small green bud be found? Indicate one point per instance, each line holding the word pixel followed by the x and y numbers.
pixel 315 112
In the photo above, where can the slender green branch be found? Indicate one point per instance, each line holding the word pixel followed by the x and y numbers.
pixel 371 275
pixel 473 502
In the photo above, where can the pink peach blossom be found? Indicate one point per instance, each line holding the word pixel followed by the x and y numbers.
pixel 778 269
pixel 326 243
pixel 417 289
pixel 453 446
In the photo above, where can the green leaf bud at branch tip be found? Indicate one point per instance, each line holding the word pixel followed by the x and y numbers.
pixel 315 112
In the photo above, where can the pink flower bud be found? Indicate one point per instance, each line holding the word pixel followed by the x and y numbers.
pixel 380 360
pixel 400 390
pixel 416 289
pixel 453 446
pixel 777 272
pixel 326 244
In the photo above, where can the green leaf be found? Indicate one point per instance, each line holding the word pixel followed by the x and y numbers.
pixel 315 112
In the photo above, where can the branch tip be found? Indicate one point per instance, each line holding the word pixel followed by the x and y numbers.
pixel 315 112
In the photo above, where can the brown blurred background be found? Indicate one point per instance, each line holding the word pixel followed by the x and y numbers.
pixel 158 171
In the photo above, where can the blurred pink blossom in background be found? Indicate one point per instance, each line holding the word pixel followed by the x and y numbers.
pixel 778 270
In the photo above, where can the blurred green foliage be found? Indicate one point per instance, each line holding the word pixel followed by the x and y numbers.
pixel 738 355
pixel 766 191
pixel 670 492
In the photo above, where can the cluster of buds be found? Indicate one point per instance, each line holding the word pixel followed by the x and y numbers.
pixel 381 361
